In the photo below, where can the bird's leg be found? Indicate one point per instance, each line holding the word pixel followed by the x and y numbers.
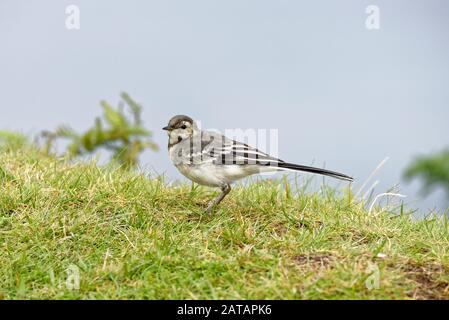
pixel 224 191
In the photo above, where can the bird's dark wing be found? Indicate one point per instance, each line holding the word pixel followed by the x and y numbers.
pixel 223 150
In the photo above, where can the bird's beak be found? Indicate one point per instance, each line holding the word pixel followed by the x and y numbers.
pixel 168 128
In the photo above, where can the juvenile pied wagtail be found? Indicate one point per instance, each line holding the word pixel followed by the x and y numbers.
pixel 211 159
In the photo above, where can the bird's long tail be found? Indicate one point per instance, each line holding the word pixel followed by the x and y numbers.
pixel 297 167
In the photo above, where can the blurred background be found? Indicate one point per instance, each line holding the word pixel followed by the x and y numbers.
pixel 340 95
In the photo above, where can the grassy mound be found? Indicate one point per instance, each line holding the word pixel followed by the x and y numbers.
pixel 78 231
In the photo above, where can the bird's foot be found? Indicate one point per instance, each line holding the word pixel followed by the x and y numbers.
pixel 210 208
pixel 224 191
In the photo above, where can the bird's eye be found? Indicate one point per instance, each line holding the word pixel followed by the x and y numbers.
pixel 183 126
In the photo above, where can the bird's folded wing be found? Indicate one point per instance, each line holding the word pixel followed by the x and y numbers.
pixel 227 151
pixel 219 150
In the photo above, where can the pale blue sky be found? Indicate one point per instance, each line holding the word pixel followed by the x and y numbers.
pixel 338 93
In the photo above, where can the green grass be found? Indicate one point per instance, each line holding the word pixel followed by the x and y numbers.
pixel 132 237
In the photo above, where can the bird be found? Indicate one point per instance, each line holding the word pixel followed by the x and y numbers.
pixel 211 159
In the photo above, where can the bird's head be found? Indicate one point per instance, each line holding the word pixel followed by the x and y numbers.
pixel 180 128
